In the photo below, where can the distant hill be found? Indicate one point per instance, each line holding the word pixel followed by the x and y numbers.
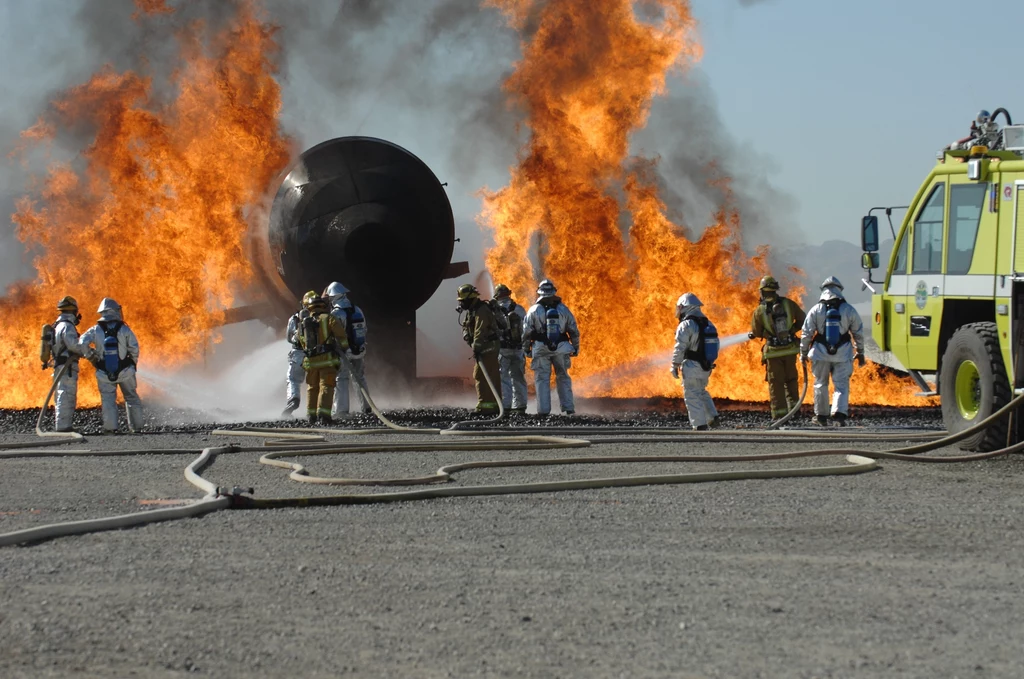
pixel 837 258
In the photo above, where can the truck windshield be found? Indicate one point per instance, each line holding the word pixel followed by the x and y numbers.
pixel 965 205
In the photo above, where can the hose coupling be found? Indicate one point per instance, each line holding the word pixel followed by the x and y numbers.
pixel 236 491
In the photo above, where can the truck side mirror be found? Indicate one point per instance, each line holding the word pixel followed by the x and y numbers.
pixel 869 234
pixel 869 260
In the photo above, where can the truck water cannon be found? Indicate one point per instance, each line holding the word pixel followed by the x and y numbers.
pixel 371 215
pixel 986 132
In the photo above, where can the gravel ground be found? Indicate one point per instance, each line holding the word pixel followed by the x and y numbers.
pixel 910 571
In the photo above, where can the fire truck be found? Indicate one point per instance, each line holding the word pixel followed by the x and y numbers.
pixel 951 304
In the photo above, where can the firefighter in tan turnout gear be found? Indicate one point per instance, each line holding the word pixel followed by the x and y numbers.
pixel 480 331
pixel 323 340
pixel 777 320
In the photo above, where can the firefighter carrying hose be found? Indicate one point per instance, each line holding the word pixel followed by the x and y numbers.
pixel 481 332
pixel 323 339
pixel 777 320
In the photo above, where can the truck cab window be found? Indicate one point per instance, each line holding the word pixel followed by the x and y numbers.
pixel 928 233
pixel 900 265
pixel 965 205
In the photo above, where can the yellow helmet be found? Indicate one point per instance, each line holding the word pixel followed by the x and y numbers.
pixel 67 303
pixel 502 290
pixel 769 283
pixel 467 292
pixel 313 301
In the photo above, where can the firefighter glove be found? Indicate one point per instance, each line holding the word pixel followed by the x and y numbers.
pixel 860 360
pixel 675 371
pixel 751 335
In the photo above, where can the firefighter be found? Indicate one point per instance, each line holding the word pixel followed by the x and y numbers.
pixel 552 339
pixel 354 322
pixel 512 358
pixel 295 374
pixel 694 356
pixel 480 331
pixel 323 339
pixel 832 331
pixel 114 350
pixel 62 345
pixel 778 319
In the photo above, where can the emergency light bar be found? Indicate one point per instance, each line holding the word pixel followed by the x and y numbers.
pixel 1013 137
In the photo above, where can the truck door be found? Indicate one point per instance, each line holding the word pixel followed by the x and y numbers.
pixel 895 299
pixel 925 283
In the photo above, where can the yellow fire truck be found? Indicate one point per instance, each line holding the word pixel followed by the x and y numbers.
pixel 951 302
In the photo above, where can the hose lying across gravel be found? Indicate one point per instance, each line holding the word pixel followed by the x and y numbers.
pixel 792 413
pixel 65 435
pixel 297 443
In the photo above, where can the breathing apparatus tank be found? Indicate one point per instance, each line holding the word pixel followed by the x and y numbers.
pixel 711 343
pixel 311 333
pixel 833 334
pixel 781 324
pixel 356 331
pixel 111 356
pixel 46 340
pixel 554 327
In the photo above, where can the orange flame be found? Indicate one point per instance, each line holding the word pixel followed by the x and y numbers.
pixel 153 212
pixel 586 81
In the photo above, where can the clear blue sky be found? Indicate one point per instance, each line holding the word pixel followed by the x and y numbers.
pixel 852 100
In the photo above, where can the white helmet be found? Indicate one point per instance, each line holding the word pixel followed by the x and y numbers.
pixel 337 294
pixel 688 299
pixel 108 307
pixel 546 288
pixel 335 289
pixel 831 282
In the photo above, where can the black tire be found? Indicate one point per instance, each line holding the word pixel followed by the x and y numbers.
pixel 977 343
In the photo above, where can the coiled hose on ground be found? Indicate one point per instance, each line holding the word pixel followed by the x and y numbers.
pixel 215 498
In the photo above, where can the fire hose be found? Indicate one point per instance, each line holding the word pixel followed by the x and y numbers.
pixel 66 435
pixel 218 498
pixel 796 408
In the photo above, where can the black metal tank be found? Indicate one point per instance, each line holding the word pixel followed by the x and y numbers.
pixel 371 215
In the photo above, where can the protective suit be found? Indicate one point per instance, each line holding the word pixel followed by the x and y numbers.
pixel 354 322
pixel 295 375
pixel 114 350
pixel 480 331
pixel 778 319
pixel 551 340
pixel 511 357
pixel 686 359
pixel 322 338
pixel 836 364
pixel 66 348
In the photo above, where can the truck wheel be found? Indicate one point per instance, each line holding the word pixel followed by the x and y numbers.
pixel 974 385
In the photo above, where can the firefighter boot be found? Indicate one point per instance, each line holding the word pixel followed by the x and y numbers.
pixel 326 420
pixel 840 419
pixel 293 405
pixel 822 420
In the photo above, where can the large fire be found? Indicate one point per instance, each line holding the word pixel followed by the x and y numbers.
pixel 152 212
pixel 587 78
